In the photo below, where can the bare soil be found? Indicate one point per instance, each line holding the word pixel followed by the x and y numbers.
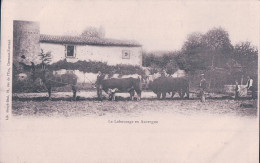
pixel 37 104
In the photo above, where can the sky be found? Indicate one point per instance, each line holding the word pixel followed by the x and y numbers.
pixel 157 25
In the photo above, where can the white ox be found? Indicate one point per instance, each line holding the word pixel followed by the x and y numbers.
pixel 135 76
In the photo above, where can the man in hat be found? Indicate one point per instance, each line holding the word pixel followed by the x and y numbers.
pixel 236 90
pixel 249 85
pixel 203 86
pixel 99 85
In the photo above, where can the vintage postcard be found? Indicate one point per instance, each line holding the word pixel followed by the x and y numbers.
pixel 129 81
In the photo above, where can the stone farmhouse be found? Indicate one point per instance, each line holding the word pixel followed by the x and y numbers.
pixel 28 42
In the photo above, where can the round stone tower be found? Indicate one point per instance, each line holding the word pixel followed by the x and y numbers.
pixel 26 41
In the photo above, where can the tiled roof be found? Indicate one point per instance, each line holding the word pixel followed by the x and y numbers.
pixel 86 41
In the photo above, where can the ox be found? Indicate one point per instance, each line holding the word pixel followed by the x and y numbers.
pixel 113 85
pixel 162 85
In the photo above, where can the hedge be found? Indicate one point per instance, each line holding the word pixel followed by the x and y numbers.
pixel 94 67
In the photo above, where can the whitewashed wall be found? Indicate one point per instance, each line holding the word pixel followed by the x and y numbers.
pixel 57 51
pixel 110 54
pixel 179 74
pixel 82 77
pixel 89 78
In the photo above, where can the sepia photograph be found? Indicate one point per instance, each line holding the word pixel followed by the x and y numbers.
pixel 129 81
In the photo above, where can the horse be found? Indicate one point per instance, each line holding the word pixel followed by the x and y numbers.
pixel 50 80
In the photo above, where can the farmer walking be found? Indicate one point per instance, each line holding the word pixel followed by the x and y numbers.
pixel 99 85
pixel 203 85
pixel 236 91
pixel 249 85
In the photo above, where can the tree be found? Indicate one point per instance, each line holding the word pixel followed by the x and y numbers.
pixel 193 43
pixel 45 58
pixel 219 46
pixel 171 67
pixel 148 59
pixel 94 32
pixel 207 51
pixel 246 55
pixel 182 62
pixel 193 54
pixel 219 50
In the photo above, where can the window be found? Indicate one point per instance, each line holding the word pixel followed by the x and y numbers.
pixel 70 51
pixel 126 54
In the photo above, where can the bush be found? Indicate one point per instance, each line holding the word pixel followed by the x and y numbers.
pixel 27 86
pixel 94 67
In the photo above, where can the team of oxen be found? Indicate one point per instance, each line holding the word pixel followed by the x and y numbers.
pixel 133 83
pixel 160 85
